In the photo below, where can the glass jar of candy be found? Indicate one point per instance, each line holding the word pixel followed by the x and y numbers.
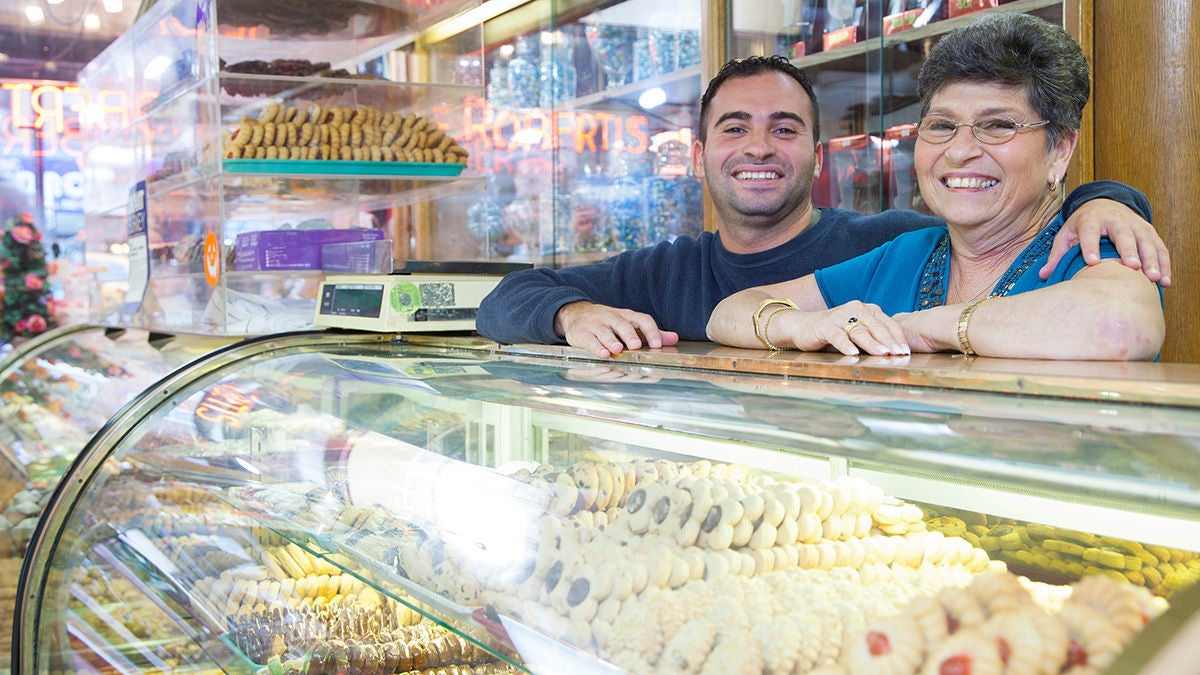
pixel 664 50
pixel 557 74
pixel 524 80
pixel 612 47
pixel 643 62
pixel 497 86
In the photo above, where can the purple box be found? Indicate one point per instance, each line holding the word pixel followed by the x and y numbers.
pixel 291 249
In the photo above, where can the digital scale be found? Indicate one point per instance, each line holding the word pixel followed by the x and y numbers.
pixel 417 296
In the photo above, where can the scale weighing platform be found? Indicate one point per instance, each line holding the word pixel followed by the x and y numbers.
pixel 418 296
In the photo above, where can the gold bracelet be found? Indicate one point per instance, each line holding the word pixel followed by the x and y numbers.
pixel 761 326
pixel 964 319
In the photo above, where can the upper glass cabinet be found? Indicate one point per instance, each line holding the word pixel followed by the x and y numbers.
pixel 223 160
pixel 235 153
pixel 308 500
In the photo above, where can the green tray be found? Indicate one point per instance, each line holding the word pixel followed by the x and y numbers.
pixel 341 167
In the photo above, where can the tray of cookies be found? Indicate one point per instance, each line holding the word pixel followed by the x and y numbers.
pixel 360 139
pixel 340 167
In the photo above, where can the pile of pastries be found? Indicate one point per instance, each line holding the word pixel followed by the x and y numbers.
pixel 653 566
pixel 1066 554
pixel 667 566
pixel 361 133
pixel 679 524
pixel 996 625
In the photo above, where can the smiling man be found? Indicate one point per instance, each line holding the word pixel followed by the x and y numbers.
pixel 758 150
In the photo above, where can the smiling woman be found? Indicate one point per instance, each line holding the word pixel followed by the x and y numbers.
pixel 1019 85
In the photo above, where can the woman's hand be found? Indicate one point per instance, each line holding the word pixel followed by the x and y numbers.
pixel 851 329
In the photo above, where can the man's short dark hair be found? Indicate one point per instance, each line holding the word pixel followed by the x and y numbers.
pixel 753 65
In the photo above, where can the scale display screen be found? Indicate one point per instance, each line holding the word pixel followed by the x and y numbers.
pixel 402 302
pixel 365 300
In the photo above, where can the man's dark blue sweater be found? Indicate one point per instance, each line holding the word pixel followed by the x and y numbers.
pixel 679 283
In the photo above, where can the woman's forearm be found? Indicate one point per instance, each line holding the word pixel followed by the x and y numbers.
pixel 732 322
pixel 1107 312
pixel 797 319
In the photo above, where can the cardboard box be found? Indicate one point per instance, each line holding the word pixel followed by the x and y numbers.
pixel 900 176
pixel 291 249
pixel 894 23
pixel 841 37
pixel 850 176
pixel 960 7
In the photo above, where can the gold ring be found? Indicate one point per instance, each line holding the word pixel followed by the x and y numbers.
pixel 851 324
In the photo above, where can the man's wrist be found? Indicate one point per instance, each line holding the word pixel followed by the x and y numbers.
pixel 560 326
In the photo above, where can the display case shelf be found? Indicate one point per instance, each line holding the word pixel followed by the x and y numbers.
pixel 680 88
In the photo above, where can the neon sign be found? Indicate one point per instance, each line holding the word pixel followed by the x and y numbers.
pixel 51 110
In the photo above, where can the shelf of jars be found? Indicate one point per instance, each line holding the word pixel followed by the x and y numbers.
pixel 898 31
pixel 588 162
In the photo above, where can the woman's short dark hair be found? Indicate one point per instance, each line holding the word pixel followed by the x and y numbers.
pixel 753 65
pixel 1018 50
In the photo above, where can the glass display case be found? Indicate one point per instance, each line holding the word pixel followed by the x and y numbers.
pixel 235 153
pixel 352 503
pixel 55 392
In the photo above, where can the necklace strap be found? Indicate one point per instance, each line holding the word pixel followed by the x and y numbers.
pixel 932 292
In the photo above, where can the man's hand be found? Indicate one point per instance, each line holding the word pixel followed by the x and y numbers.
pixel 607 331
pixel 1137 242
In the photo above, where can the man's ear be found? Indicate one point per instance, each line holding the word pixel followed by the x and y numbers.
pixel 698 158
pixel 818 160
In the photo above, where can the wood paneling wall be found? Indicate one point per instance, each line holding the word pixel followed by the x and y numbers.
pixel 1146 99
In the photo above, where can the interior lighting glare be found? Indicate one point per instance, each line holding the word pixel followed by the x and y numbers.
pixel 652 98
pixel 157 66
pixel 35 15
pixel 530 137
pixel 113 6
pixel 54 2
pixel 91 21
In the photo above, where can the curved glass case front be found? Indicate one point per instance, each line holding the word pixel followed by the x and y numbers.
pixel 55 392
pixel 338 503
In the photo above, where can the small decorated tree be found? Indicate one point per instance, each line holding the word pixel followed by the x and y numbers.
pixel 26 293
